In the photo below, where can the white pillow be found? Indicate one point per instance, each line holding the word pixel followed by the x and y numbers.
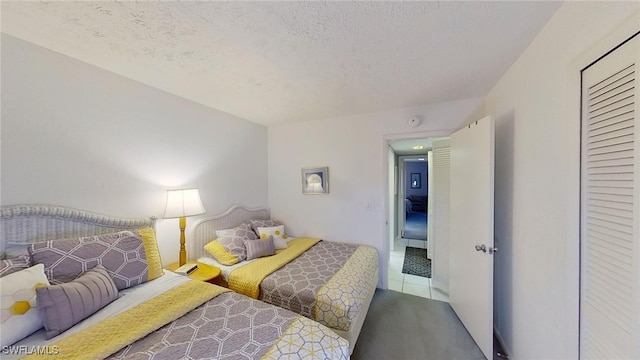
pixel 19 315
pixel 277 232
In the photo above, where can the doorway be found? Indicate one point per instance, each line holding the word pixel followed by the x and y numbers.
pixel 415 190
pixel 409 198
pixel 469 166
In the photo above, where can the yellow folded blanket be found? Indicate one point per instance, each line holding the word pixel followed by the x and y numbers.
pixel 246 280
pixel 111 335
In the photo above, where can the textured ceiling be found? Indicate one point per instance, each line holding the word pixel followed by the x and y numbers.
pixel 277 62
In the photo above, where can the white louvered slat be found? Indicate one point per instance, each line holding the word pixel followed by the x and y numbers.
pixel 615 283
pixel 623 169
pixel 612 133
pixel 621 231
pixel 620 113
pixel 613 254
pixel 612 100
pixel 617 122
pixel 615 238
pixel 625 191
pixel 612 106
pixel 610 291
pixel 601 86
pixel 608 183
pixel 613 211
pixel 628 176
pixel 620 208
pixel 622 86
pixel 611 155
pixel 612 149
pixel 604 85
pixel 621 161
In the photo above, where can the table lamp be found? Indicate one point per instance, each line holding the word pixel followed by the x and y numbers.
pixel 180 204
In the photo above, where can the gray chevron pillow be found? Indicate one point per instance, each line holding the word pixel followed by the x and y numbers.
pixel 129 258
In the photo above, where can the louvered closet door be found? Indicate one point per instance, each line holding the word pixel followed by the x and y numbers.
pixel 440 212
pixel 610 244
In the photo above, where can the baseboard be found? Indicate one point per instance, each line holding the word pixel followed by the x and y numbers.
pixel 436 285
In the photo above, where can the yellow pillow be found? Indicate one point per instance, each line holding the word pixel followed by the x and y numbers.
pixel 221 254
pixel 152 253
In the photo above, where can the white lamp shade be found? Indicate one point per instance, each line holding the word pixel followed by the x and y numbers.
pixel 183 202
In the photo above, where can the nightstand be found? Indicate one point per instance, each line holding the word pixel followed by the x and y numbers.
pixel 208 273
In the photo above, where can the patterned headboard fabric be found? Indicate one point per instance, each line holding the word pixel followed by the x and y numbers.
pixel 204 230
pixel 24 224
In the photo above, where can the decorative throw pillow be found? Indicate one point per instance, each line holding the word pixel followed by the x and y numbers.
pixel 241 231
pixel 16 249
pixel 256 249
pixel 19 315
pixel 65 305
pixel 277 232
pixel 130 258
pixel 256 223
pixel 228 250
pixel 14 264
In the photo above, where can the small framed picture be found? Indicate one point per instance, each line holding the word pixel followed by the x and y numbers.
pixel 315 180
pixel 415 181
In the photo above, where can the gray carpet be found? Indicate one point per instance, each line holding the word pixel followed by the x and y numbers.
pixel 403 326
pixel 415 226
pixel 416 262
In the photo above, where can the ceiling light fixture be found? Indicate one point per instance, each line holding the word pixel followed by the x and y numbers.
pixel 417 147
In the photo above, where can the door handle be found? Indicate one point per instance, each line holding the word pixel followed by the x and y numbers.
pixel 482 248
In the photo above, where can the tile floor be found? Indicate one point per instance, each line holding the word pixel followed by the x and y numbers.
pixel 410 284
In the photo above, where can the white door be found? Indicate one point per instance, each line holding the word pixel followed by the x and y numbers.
pixel 471 230
pixel 610 218
pixel 439 214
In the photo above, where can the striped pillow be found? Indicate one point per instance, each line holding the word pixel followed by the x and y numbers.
pixel 65 305
pixel 260 248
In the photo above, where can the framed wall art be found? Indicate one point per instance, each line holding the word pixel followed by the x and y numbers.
pixel 415 181
pixel 315 180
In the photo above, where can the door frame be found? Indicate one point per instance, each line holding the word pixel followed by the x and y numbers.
pixel 388 187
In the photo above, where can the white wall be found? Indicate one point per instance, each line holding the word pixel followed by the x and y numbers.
pixel 536 104
pixel 76 135
pixel 354 148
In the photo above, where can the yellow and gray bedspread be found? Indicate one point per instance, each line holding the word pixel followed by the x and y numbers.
pixel 204 321
pixel 326 281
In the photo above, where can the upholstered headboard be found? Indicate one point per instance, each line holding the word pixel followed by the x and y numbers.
pixel 32 223
pixel 204 230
